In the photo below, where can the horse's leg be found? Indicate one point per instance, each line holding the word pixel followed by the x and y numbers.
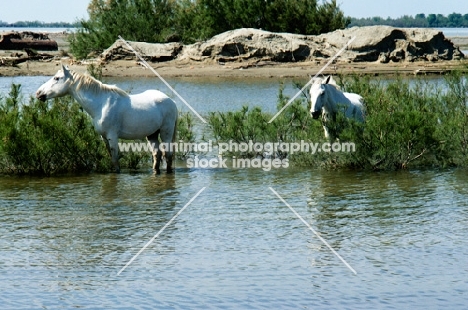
pixel 327 134
pixel 153 140
pixel 166 137
pixel 112 148
pixel 325 128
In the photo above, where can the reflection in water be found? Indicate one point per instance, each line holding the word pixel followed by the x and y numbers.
pixel 63 240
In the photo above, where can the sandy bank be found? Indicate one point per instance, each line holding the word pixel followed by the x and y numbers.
pixel 132 68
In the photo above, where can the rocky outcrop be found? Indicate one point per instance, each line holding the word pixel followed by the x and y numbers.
pixel 385 43
pixel 20 40
pixel 149 51
pixel 374 43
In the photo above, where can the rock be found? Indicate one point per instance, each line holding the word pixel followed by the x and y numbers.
pixel 20 40
pixel 403 44
pixel 149 51
pixel 374 43
pixel 247 43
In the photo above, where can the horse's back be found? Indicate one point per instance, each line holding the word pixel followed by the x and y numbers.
pixel 358 103
pixel 354 98
pixel 148 112
pixel 153 100
pixel 151 97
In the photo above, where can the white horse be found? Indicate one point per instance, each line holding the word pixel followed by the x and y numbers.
pixel 116 114
pixel 326 100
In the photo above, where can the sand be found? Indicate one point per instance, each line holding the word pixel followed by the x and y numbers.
pixel 132 68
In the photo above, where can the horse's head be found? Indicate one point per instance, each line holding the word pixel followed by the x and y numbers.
pixel 318 95
pixel 57 86
pixel 316 99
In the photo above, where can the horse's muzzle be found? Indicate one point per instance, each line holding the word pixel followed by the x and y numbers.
pixel 315 115
pixel 40 96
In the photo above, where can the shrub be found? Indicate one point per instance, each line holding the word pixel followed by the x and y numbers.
pixel 406 126
pixel 48 138
pixel 160 21
pixel 55 137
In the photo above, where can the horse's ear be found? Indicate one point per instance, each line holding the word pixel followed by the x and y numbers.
pixel 65 70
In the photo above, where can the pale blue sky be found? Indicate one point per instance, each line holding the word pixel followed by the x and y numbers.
pixel 71 10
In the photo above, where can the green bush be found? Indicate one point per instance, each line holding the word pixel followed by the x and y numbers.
pixel 160 21
pixel 406 126
pixel 56 137
pixel 251 124
pixel 411 126
pixel 48 138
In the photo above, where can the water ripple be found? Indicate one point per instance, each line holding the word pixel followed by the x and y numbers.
pixel 63 240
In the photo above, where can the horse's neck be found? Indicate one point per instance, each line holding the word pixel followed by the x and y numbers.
pixel 335 98
pixel 91 101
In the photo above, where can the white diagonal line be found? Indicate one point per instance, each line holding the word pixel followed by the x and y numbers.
pixel 310 81
pixel 161 230
pixel 161 78
pixel 313 230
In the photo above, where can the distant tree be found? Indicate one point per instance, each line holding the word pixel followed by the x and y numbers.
pixel 192 20
pixel 432 20
pixel 135 20
pixel 455 20
pixel 296 16
pixel 419 20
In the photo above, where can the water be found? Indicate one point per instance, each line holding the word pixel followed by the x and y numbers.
pixel 454 32
pixel 64 239
pixel 205 95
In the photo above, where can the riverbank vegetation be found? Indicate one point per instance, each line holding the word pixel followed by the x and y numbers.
pixel 187 21
pixel 55 137
pixel 407 126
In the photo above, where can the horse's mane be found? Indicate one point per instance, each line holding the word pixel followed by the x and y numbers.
pixel 90 83
pixel 319 81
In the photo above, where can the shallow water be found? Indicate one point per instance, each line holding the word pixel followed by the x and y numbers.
pixel 64 239
pixel 204 95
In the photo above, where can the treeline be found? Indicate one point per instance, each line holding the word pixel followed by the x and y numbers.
pixel 454 20
pixel 38 24
pixel 188 21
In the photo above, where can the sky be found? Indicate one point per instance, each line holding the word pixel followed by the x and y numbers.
pixel 72 10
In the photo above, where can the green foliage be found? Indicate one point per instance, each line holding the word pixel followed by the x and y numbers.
pixel 185 131
pixel 43 138
pixel 189 21
pixel 212 17
pixel 54 137
pixel 251 124
pixel 406 126
pixel 134 20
